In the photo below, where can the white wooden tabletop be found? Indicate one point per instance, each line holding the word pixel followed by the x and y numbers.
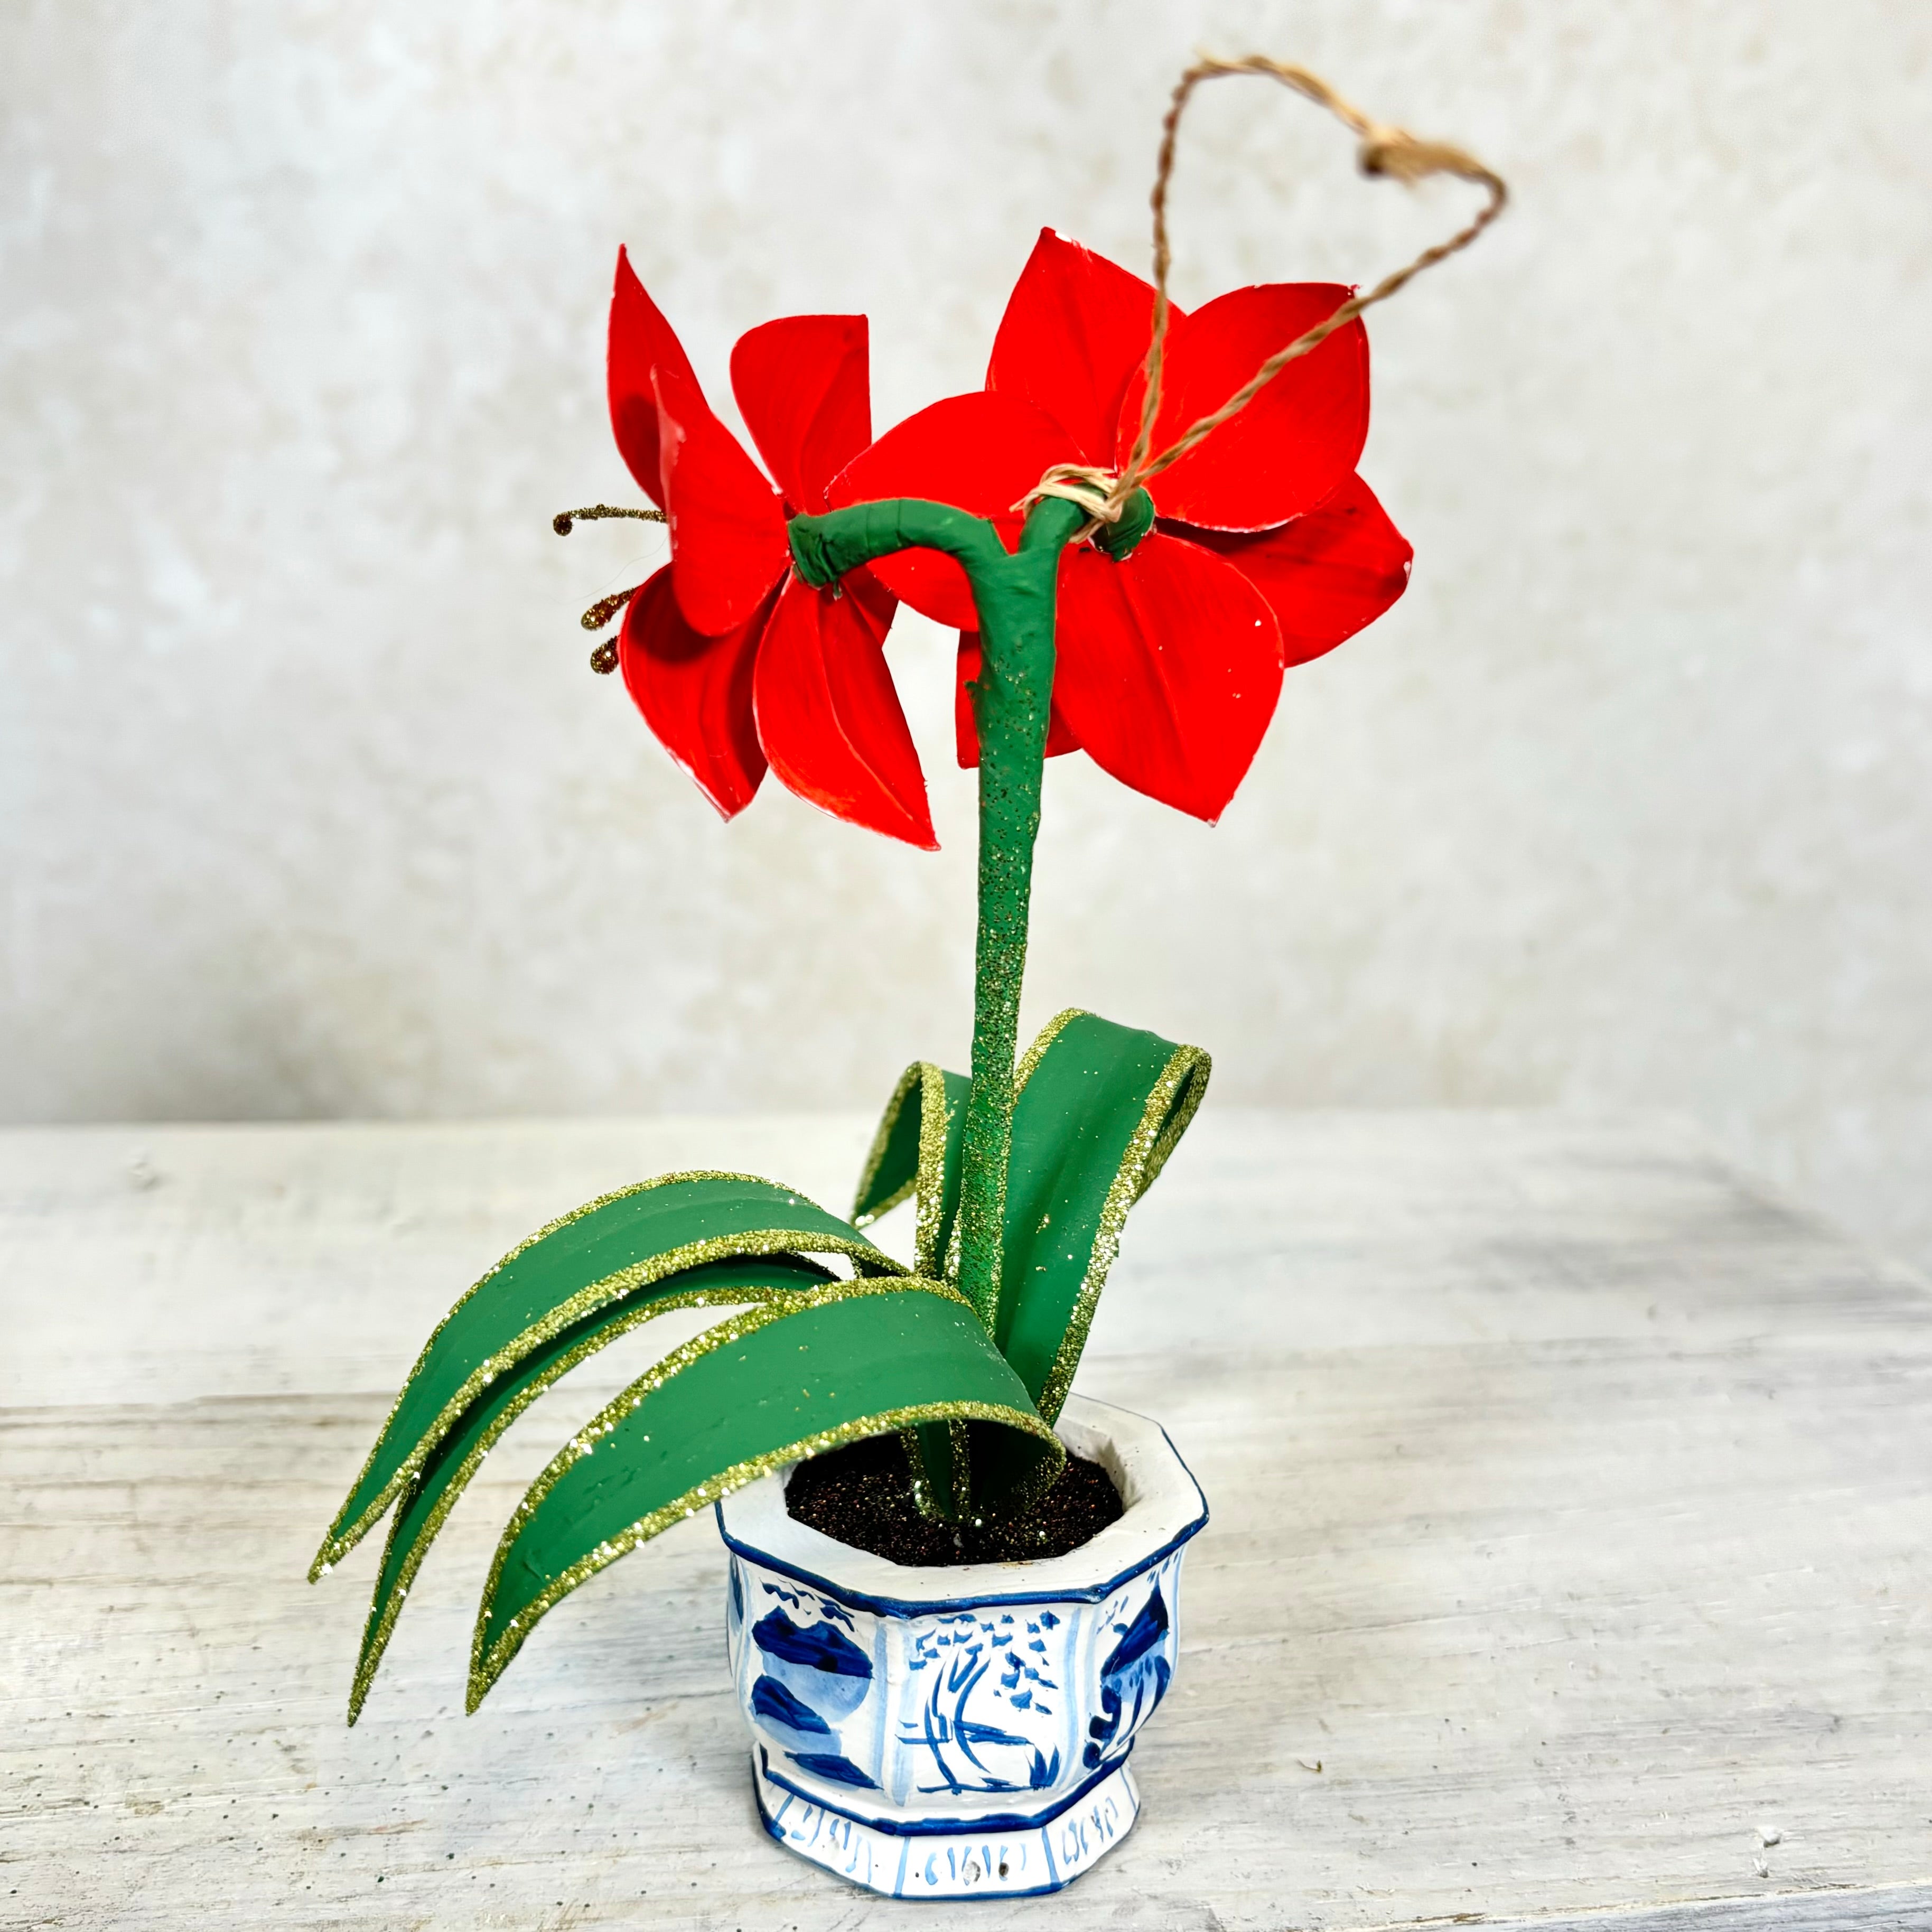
pixel 1570 1552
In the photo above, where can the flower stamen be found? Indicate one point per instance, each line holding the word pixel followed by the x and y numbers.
pixel 562 522
pixel 601 613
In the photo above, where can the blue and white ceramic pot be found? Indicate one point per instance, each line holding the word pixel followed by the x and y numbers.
pixel 961 1732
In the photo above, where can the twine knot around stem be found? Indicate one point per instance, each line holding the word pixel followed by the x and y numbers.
pixel 1117 519
pixel 1382 151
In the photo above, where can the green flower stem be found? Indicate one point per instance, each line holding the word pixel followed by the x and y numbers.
pixel 1015 593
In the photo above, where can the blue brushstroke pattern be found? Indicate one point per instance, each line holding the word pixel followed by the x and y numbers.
pixel 819 1647
pixel 771 1699
pixel 1136 1666
pixel 1145 1631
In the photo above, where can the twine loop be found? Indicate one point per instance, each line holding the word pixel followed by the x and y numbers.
pixel 1382 151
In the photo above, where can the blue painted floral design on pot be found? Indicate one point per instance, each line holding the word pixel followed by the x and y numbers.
pixel 959 1732
pixel 1133 1679
pixel 1002 1657
pixel 811 1677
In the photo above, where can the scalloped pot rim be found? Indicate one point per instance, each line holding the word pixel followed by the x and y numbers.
pixel 1164 1507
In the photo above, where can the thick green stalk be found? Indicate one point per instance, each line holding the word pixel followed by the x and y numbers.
pixel 1014 594
pixel 1010 705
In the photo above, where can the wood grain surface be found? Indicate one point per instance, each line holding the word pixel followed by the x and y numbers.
pixel 1569 1553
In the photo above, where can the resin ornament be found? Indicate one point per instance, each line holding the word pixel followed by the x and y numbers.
pixel 1138 524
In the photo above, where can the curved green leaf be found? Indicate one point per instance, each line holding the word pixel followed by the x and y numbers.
pixel 607 1249
pixel 802 1375
pixel 1100 1109
pixel 916 1152
pixel 457 1453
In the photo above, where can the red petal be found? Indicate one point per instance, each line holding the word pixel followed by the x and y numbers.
pixel 801 384
pixel 982 451
pixel 728 545
pixel 1076 329
pixel 1293 445
pixel 829 719
pixel 1060 738
pixel 880 604
pixel 641 339
pixel 1326 574
pixel 1170 665
pixel 695 692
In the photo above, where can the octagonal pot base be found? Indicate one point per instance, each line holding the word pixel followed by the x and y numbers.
pixel 1018 1857
pixel 959 1731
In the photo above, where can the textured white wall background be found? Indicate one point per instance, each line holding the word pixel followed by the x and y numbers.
pixel 311 807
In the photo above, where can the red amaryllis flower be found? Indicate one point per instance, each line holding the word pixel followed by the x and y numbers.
pixel 733 662
pixel 1267 551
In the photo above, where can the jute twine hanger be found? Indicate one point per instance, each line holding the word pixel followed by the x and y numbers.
pixel 1104 494
pixel 1381 150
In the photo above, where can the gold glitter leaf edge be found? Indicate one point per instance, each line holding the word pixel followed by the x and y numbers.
pixel 1171 1105
pixel 524 1247
pixel 1047 1035
pixel 875 1158
pixel 931 1180
pixel 487 1665
pixel 340 1541
pixel 927 1180
pixel 383 1612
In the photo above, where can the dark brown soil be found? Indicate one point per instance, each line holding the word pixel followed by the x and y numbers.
pixel 862 1495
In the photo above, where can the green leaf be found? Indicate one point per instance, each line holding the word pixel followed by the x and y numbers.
pixel 915 1151
pixel 802 1375
pixel 611 1249
pixel 457 1454
pixel 1100 1109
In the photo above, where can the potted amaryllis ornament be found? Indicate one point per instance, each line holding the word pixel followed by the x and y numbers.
pixel 953 1584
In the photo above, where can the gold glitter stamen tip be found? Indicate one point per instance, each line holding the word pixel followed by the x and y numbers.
pixel 566 520
pixel 601 613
